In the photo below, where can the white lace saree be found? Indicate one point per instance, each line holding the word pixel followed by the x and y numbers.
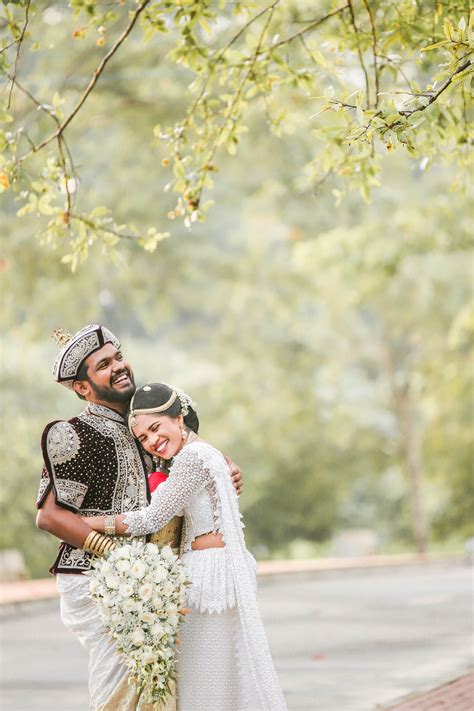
pixel 224 663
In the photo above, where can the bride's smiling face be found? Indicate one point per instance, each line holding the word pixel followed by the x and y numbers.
pixel 160 435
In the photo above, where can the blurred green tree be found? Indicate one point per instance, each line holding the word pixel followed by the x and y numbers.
pixel 306 322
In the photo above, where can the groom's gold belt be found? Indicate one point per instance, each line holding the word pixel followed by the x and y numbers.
pixel 170 534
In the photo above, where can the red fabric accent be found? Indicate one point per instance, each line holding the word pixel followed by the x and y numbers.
pixel 155 479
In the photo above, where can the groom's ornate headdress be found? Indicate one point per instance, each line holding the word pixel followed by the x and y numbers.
pixel 75 349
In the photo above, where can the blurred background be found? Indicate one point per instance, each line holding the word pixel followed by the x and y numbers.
pixel 327 342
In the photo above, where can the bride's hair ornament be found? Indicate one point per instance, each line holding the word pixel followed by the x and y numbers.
pixel 163 399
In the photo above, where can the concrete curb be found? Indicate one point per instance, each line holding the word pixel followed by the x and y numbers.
pixel 27 591
pixel 321 565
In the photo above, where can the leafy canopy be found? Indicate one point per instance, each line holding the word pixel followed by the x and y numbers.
pixel 371 76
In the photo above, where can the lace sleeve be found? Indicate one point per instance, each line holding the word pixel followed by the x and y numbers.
pixel 188 474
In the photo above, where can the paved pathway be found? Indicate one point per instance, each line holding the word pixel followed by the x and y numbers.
pixel 457 695
pixel 342 641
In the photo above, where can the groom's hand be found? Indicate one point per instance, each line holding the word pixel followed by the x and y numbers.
pixel 236 476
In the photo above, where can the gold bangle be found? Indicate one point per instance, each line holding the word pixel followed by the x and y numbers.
pixel 89 541
pixel 109 525
pixel 98 544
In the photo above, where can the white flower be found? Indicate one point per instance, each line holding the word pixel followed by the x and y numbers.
pixel 157 601
pixel 148 655
pixel 138 637
pixel 138 569
pixel 123 565
pixel 112 581
pixel 122 552
pixel 167 553
pixel 167 588
pixel 159 573
pixel 126 590
pixel 145 591
pixel 152 549
pixel 146 616
pixel 128 605
pixel 157 630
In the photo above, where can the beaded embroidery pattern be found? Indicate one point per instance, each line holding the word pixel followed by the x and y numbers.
pixel 94 466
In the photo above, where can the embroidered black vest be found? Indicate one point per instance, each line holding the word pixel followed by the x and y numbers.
pixel 93 466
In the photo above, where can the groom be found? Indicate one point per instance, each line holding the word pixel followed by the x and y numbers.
pixel 92 465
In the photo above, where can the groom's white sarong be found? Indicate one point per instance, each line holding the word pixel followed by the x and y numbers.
pixel 108 677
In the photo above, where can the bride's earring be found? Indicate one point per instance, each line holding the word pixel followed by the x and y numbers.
pixel 184 435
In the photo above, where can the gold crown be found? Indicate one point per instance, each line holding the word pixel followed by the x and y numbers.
pixel 61 337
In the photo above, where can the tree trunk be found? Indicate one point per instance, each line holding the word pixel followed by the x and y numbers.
pixel 410 429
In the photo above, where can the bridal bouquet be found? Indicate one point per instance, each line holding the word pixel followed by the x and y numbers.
pixel 140 591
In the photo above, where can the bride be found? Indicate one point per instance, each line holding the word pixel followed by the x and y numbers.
pixel 224 662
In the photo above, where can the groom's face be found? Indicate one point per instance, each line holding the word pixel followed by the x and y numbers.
pixel 109 377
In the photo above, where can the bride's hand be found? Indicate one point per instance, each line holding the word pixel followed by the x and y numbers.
pixel 95 522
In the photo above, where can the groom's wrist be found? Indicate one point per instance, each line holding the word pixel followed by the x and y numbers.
pixel 98 544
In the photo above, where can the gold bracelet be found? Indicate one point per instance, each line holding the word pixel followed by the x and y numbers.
pixel 98 544
pixel 89 542
pixel 109 525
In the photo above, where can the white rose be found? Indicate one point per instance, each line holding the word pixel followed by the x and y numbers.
pixel 128 605
pixel 126 590
pixel 123 552
pixel 145 591
pixel 159 573
pixel 167 588
pixel 173 621
pixel 148 655
pixel 123 565
pixel 112 581
pixel 105 568
pixel 167 553
pixel 138 637
pixel 146 616
pixel 152 549
pixel 157 630
pixel 108 601
pixel 138 570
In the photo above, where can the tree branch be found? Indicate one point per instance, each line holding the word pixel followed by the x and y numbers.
pixel 236 98
pixel 443 88
pixel 61 140
pixel 359 52
pixel 245 28
pixel 221 53
pixel 374 51
pixel 101 228
pixel 304 30
pixel 98 71
pixel 18 49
